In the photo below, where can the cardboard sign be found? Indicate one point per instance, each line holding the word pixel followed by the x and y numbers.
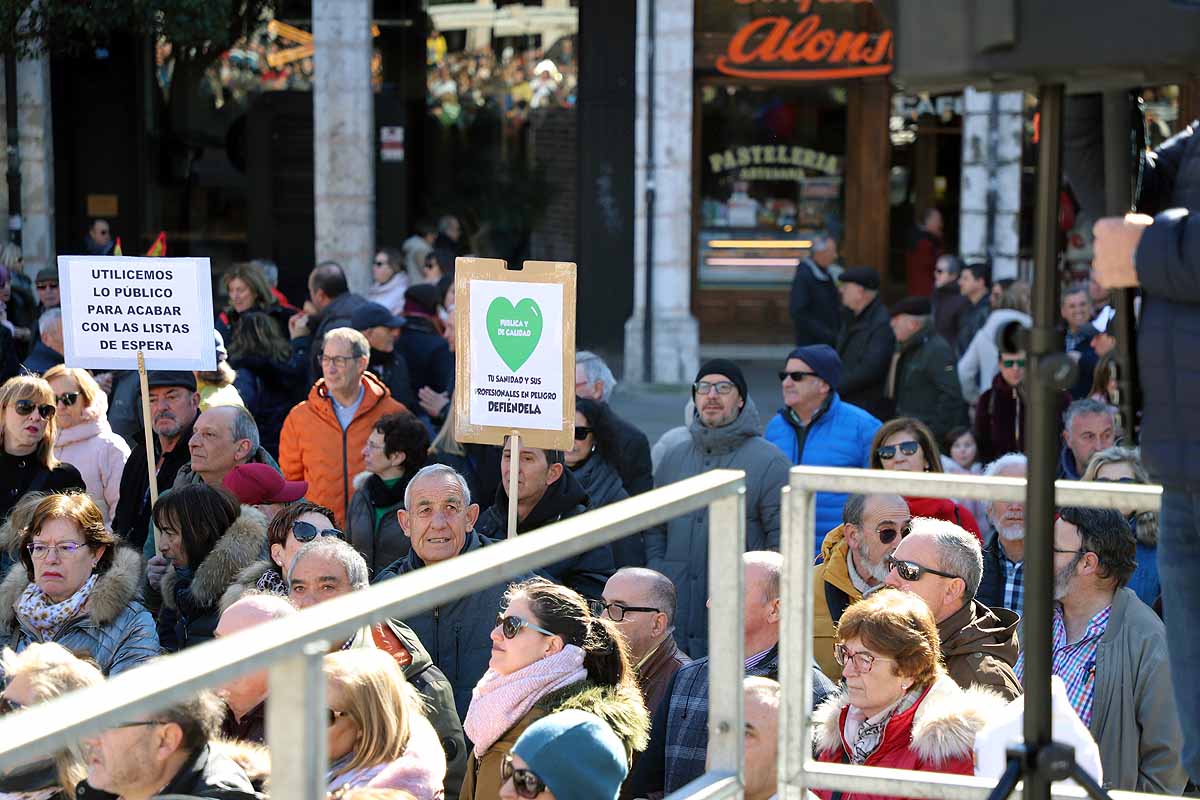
pixel 115 306
pixel 515 345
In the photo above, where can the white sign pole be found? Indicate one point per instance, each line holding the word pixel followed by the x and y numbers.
pixel 514 452
pixel 149 432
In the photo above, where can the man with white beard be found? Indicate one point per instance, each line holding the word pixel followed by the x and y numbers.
pixel 1003 584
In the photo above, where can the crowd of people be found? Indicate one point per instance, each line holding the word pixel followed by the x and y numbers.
pixel 319 458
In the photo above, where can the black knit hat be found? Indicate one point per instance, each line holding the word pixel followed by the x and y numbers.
pixel 723 366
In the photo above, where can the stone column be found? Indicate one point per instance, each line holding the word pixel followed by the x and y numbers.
pixel 37 163
pixel 344 137
pixel 991 164
pixel 676 333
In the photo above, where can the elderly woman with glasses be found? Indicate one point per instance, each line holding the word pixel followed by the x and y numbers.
pixel 898 708
pixel 28 435
pixel 378 735
pixel 1124 465
pixel 906 444
pixel 74 585
pixel 548 654
pixel 85 439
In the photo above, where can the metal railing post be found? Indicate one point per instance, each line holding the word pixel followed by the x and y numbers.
pixel 297 725
pixel 726 543
pixel 796 545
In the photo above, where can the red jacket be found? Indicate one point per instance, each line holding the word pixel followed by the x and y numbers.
pixel 941 508
pixel 936 735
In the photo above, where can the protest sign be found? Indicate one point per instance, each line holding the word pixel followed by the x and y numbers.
pixel 115 307
pixel 515 346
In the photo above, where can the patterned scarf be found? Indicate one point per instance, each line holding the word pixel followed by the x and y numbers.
pixel 499 701
pixel 45 618
pixel 865 735
pixel 271 582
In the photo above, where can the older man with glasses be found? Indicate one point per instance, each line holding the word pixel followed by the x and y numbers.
pixel 942 564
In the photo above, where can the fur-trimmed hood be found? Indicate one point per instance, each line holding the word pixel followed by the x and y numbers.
pixel 944 722
pixel 242 543
pixel 254 759
pixel 114 591
pixel 621 707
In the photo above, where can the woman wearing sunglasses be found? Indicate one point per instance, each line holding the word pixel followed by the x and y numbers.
pixel 295 526
pixel 85 439
pixel 1124 465
pixel 205 539
pixel 74 585
pixel 898 707
pixel 569 755
pixel 592 461
pixel 548 654
pixel 907 445
pixel 27 460
pixel 378 735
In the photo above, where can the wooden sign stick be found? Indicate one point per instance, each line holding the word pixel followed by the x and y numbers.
pixel 514 453
pixel 148 430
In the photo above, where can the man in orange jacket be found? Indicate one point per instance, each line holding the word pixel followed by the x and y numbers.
pixel 323 437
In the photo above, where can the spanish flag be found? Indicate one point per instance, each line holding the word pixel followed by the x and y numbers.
pixel 117 248
pixel 159 248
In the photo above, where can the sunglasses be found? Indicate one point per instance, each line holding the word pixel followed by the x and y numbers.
pixel 45 286
pixel 524 781
pixel 1116 480
pixel 68 399
pixel 796 376
pixel 306 532
pixel 510 626
pixel 911 571
pixel 888 535
pixel 1009 363
pixel 888 451
pixel 334 716
pixel 27 407
pixel 582 432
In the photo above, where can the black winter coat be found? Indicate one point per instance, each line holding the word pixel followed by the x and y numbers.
pixel 991 586
pixel 927 384
pixel 430 362
pixel 269 389
pixel 206 775
pixel 22 474
pixel 632 461
pixel 866 344
pixel 949 306
pixel 814 305
pixel 392 369
pixel 603 486
pixel 587 572
pixel 131 520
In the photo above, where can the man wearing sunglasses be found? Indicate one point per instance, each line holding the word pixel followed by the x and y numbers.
pixel 47 351
pixel 942 564
pixel 851 564
pixel 724 433
pixel 923 379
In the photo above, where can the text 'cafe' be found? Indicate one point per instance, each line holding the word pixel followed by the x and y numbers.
pixel 792 108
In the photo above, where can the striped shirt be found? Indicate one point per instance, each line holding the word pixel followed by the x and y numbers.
pixel 1075 662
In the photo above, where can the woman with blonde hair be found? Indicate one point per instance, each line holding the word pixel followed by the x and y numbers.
pixel 27 439
pixel 85 439
pixel 379 736
pixel 249 291
pixel 40 673
pixel 1124 465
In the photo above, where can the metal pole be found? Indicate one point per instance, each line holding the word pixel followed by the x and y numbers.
pixel 14 148
pixel 726 662
pixel 795 656
pixel 297 724
pixel 648 301
pixel 1045 377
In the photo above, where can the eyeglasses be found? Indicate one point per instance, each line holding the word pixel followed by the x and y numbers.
pixel 338 361
pixel 1009 363
pixel 140 724
pixel 797 376
pixel 306 532
pixel 1079 552
pixel 334 716
pixel 721 387
pixel 44 286
pixel 8 706
pixel 911 571
pixel 510 626
pixel 615 611
pixel 582 432
pixel 40 551
pixel 27 407
pixel 68 399
pixel 863 661
pixel 888 451
pixel 1116 480
pixel 524 781
pixel 888 535
pixel 379 262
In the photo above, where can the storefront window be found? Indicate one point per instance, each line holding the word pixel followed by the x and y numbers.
pixel 772 169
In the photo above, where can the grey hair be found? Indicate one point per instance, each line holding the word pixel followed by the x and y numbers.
pixel 244 427
pixel 438 469
pixel 596 370
pixel 270 270
pixel 359 347
pixel 1085 406
pixel 856 507
pixel 445 222
pixel 357 572
pixel 1004 462
pixel 958 552
pixel 49 319
pixel 770 561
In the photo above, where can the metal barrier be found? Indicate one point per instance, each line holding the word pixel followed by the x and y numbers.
pixel 292 649
pixel 797 770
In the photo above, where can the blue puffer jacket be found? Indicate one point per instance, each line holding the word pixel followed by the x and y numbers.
pixel 839 436
pixel 1168 268
pixel 116 631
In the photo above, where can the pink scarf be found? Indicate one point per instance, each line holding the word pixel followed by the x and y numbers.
pixel 499 701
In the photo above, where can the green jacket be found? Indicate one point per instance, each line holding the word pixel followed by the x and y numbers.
pixel 927 384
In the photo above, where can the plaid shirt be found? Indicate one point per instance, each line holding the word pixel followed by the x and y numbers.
pixel 1075 662
pixel 1014 585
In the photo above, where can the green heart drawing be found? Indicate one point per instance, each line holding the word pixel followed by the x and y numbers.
pixel 514 331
